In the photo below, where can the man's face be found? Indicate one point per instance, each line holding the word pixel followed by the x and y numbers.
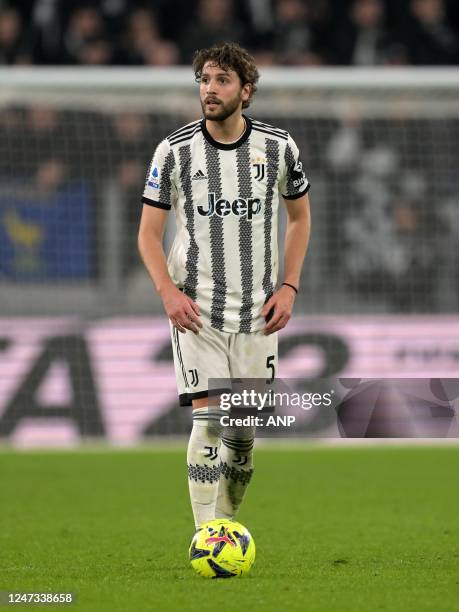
pixel 221 92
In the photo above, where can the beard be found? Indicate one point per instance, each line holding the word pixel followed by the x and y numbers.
pixel 222 111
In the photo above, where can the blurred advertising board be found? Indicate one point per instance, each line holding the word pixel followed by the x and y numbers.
pixel 65 380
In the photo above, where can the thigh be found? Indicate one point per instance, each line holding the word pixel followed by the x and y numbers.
pixel 253 355
pixel 197 358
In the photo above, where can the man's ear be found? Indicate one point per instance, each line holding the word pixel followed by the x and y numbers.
pixel 246 91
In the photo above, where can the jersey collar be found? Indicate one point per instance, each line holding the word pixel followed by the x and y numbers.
pixel 223 145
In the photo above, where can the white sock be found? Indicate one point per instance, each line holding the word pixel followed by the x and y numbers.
pixel 236 470
pixel 203 458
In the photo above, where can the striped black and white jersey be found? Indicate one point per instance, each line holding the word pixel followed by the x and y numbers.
pixel 226 199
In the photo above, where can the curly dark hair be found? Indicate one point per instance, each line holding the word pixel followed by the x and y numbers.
pixel 229 56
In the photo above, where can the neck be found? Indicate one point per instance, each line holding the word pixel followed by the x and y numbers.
pixel 229 130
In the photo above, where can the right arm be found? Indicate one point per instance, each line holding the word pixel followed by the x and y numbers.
pixel 181 309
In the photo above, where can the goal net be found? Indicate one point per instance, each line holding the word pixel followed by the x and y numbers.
pixel 380 149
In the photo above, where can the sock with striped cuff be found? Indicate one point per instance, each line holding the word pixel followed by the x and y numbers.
pixel 203 458
pixel 236 469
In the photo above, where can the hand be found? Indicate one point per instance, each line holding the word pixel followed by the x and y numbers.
pixel 181 310
pixel 282 304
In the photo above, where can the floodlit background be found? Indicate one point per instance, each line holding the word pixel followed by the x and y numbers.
pixel 370 92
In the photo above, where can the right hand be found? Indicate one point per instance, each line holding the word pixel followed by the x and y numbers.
pixel 181 310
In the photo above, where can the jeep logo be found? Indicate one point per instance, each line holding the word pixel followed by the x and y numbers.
pixel 240 207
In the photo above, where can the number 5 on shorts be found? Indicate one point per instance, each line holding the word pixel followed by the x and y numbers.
pixel 270 366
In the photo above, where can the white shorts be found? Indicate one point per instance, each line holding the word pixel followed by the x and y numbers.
pixel 217 354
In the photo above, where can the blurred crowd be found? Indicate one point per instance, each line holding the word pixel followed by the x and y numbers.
pixel 382 240
pixel 288 32
pixel 390 235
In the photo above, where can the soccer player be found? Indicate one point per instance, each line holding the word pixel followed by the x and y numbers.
pixel 223 176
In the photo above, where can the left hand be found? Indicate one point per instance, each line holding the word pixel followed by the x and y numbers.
pixel 282 302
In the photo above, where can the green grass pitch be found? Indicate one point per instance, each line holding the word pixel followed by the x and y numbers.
pixel 356 529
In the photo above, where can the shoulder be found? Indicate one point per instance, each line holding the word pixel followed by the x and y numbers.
pixel 187 132
pixel 270 130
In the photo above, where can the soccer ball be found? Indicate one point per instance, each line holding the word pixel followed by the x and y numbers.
pixel 222 549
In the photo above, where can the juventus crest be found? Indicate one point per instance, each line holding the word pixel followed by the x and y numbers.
pixel 194 377
pixel 259 166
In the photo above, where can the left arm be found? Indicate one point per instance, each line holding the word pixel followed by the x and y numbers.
pixel 296 244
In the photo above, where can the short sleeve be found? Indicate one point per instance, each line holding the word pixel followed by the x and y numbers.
pixel 293 182
pixel 159 189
